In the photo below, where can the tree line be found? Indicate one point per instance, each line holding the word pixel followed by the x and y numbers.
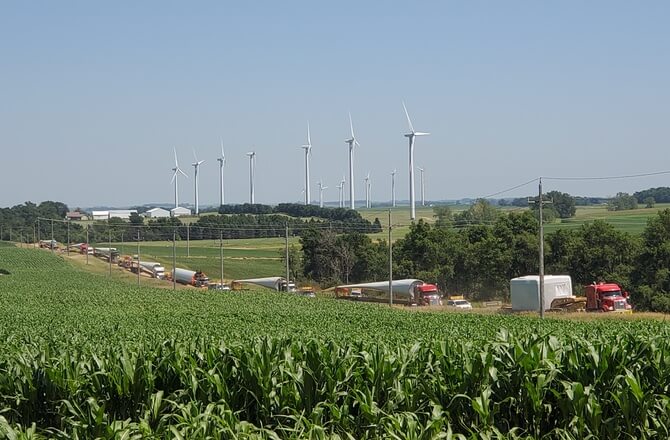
pixel 479 260
pixel 20 223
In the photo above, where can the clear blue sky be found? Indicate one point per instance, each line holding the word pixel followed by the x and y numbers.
pixel 94 96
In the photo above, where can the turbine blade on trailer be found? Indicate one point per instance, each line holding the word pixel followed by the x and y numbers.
pixel 409 121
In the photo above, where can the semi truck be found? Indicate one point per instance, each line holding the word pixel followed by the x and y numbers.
pixel 154 269
pixel 606 297
pixel 428 295
pixel 49 244
pixel 190 277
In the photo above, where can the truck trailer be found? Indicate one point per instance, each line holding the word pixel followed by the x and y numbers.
pixel 525 292
pixel 152 268
pixel 190 277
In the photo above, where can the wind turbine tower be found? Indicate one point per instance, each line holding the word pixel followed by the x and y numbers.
pixel 341 188
pixel 393 173
pixel 367 190
pixel 321 188
pixel 352 143
pixel 176 170
pixel 411 135
pixel 308 153
pixel 252 167
pixel 423 188
pixel 196 165
pixel 222 162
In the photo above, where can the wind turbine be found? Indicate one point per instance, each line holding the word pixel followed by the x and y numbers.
pixel 252 166
pixel 222 162
pixel 352 143
pixel 393 173
pixel 423 188
pixel 321 188
pixel 341 188
pixel 411 135
pixel 308 152
pixel 196 165
pixel 367 190
pixel 176 170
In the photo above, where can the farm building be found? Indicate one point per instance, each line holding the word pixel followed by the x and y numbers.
pixel 178 212
pixel 120 213
pixel 157 213
pixel 75 215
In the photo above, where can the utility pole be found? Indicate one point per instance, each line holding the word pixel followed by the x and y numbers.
pixel 38 231
pixel 174 257
pixel 541 252
pixel 34 237
pixel 390 263
pixel 541 247
pixel 287 265
pixel 52 236
pixel 138 257
pixel 68 238
pixel 88 244
pixel 221 252
pixel 109 229
pixel 188 240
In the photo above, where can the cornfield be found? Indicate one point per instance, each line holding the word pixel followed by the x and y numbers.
pixel 86 357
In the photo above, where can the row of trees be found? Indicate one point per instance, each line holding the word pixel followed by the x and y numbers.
pixel 20 223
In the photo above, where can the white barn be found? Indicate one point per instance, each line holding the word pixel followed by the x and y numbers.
pixel 180 211
pixel 157 213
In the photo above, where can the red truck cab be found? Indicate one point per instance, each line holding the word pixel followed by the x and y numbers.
pixel 428 295
pixel 606 297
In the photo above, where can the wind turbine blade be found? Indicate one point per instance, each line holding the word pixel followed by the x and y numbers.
pixel 175 158
pixel 183 173
pixel 194 155
pixel 351 125
pixel 421 133
pixel 174 176
pixel 309 138
pixel 409 121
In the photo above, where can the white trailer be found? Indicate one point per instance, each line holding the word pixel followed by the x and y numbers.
pixel 525 291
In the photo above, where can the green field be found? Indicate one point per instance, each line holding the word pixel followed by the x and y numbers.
pixel 633 221
pixel 243 258
pixel 86 356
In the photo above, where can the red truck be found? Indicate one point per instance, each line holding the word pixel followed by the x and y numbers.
pixel 428 295
pixel 606 297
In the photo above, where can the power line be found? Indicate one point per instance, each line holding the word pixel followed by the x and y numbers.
pixel 624 176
